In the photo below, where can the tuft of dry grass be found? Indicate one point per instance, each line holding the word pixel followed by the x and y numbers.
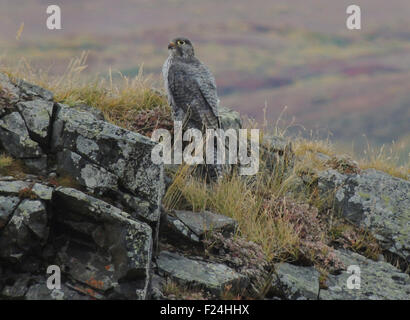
pixel 120 98
pixel 304 146
pixel 11 167
pixel 256 204
pixel 385 160
pixel 5 162
pixel 174 290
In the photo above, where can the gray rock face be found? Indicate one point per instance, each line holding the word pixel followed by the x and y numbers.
pixel 105 159
pixel 37 115
pixel 102 252
pixel 97 114
pixel 100 154
pixel 18 289
pixel 13 188
pixel 205 221
pixel 185 227
pixel 295 282
pixel 175 231
pixel 376 202
pixel 29 91
pixel 24 124
pixel 7 206
pixel 378 281
pixel 26 231
pixel 95 178
pixel 210 276
pixel 15 138
pixel 9 93
pixel 127 244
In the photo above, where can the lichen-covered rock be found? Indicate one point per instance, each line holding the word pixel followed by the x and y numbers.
pixel 26 231
pixel 7 206
pixel 295 282
pixel 174 231
pixel 42 191
pixel 29 91
pixel 15 139
pixel 96 113
pixel 116 248
pixel 17 287
pixel 205 221
pixel 121 153
pixel 14 187
pixel 186 227
pixel 87 174
pixel 213 277
pixel 157 285
pixel 37 115
pixel 376 202
pixel 9 93
pixel 378 281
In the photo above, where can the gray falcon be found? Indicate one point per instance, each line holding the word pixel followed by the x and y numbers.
pixel 191 91
pixel 190 86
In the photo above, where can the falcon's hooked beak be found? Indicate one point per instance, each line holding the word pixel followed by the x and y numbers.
pixel 171 45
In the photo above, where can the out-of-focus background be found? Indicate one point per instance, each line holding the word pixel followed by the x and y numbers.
pixel 265 54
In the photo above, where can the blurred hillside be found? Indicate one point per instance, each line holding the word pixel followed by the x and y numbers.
pixel 265 54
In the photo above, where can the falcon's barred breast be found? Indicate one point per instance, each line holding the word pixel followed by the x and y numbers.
pixel 190 87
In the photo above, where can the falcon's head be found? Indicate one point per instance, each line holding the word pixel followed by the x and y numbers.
pixel 181 47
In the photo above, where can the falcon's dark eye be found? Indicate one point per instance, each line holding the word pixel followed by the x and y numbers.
pixel 180 42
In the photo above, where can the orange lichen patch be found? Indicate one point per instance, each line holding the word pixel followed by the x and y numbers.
pixel 87 291
pixel 98 284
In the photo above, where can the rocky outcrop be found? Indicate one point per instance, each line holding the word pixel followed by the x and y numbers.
pixel 102 251
pixel 101 226
pixel 101 234
pixel 102 231
pixel 374 201
pixel 107 159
